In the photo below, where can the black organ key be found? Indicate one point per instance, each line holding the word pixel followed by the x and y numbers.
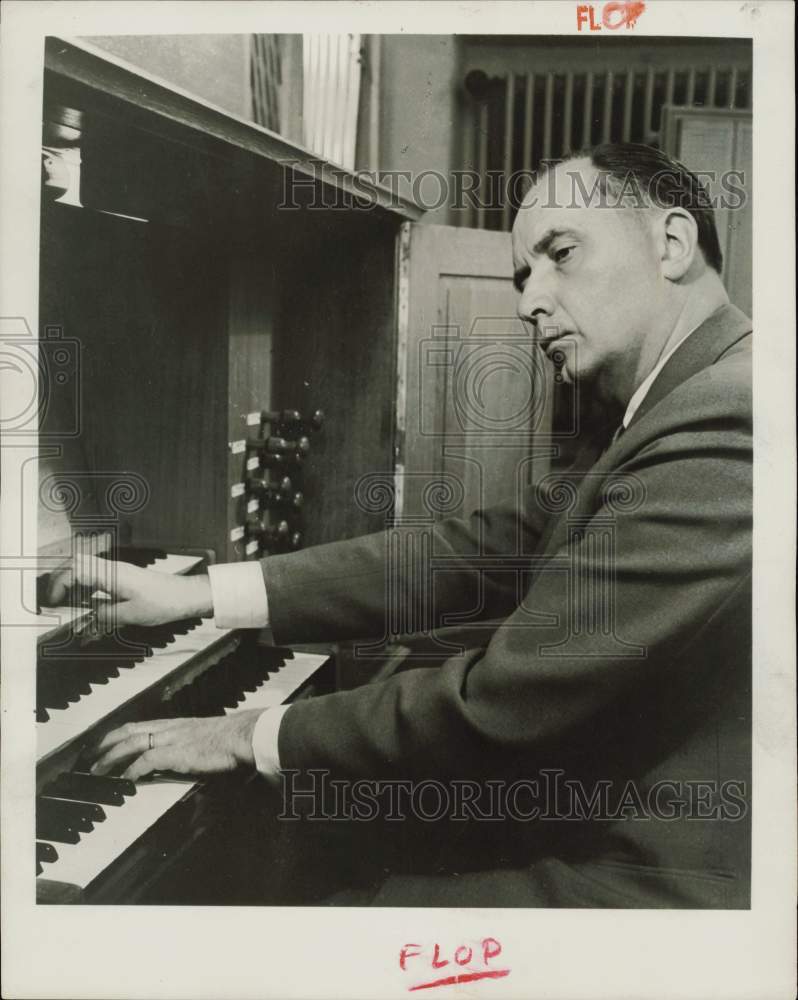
pixel 61 683
pixel 50 826
pixel 84 671
pixel 64 678
pixel 116 647
pixel 187 703
pixel 90 812
pixel 45 852
pixel 135 555
pixel 179 705
pixel 74 814
pixel 100 673
pixel 157 637
pixel 243 682
pixel 180 628
pixel 215 693
pixel 192 701
pixel 49 692
pixel 251 676
pixel 86 787
pixel 269 660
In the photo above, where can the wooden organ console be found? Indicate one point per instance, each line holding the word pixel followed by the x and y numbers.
pixel 210 305
pixel 212 292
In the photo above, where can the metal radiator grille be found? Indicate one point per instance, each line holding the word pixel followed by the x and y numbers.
pixel 515 121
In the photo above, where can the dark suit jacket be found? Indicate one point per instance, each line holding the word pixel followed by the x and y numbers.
pixel 651 686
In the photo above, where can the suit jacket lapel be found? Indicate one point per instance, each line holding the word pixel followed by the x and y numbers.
pixel 703 347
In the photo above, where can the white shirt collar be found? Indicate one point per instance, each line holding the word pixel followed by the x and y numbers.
pixel 641 391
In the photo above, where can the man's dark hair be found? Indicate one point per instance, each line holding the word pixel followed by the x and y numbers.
pixel 662 181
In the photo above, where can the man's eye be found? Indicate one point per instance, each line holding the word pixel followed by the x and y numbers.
pixel 561 255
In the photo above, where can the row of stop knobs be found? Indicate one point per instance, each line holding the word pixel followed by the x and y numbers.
pixel 280 498
pixel 286 448
pixel 289 444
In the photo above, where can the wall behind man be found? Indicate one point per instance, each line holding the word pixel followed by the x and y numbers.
pixel 214 67
pixel 419 130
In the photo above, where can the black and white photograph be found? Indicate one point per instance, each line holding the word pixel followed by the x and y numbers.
pixel 398 529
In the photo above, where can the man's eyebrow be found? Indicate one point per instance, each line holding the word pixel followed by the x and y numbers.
pixel 548 238
pixel 522 273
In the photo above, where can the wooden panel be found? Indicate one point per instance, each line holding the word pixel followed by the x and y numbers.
pixel 146 304
pixel 252 309
pixel 220 304
pixel 334 350
pixel 739 264
pixel 707 144
pixel 477 388
pixel 492 392
pixel 719 140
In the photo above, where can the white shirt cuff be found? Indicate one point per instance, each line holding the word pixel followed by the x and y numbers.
pixel 239 596
pixel 264 740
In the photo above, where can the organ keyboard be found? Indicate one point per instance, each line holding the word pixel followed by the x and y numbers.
pixel 74 694
pixel 88 827
pixel 78 854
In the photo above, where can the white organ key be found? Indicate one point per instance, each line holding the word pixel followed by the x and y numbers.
pixel 68 723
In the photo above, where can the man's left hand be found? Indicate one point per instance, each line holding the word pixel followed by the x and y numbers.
pixel 188 746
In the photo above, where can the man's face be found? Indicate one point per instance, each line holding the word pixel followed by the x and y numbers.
pixel 589 277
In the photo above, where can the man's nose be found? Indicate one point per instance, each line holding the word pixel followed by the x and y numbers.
pixel 536 303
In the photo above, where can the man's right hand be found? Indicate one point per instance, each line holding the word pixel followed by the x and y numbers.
pixel 138 596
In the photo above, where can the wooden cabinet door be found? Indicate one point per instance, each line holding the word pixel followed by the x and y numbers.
pixel 474 392
pixel 719 141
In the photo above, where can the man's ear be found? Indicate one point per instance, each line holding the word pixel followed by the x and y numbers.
pixel 678 242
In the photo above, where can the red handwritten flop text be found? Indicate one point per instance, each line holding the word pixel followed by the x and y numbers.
pixel 614 15
pixel 466 964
